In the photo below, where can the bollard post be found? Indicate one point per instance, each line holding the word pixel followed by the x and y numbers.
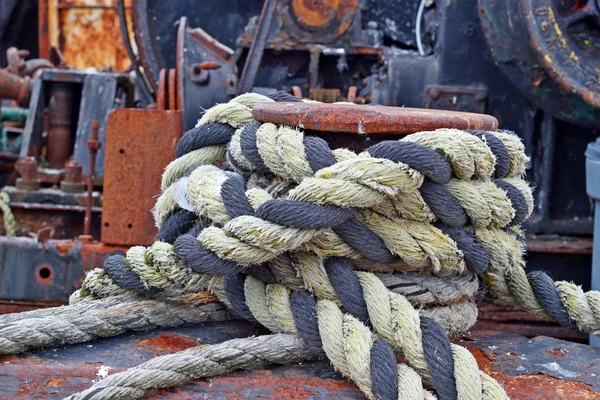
pixel 592 177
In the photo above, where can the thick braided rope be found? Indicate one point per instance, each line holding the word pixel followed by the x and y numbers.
pixel 562 301
pixel 379 189
pixel 281 225
pixel 215 209
pixel 393 318
pixel 514 164
pixel 10 224
pixel 212 204
pixel 349 344
pixel 206 144
pixel 198 362
pixel 102 318
pixel 455 203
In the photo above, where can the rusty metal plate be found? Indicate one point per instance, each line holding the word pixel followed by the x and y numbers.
pixel 139 145
pixel 365 119
pixel 539 368
pixel 87 32
pixel 37 273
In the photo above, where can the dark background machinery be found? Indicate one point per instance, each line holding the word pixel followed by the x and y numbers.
pixel 533 64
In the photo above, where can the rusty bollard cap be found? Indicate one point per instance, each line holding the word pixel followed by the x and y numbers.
pixel 368 119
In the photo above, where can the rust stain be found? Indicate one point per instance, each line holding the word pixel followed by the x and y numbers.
pixel 201 297
pixel 319 13
pixel 56 382
pixel 87 32
pixel 556 352
pixel 533 387
pixel 135 169
pixel 64 247
pixel 44 274
pixel 170 341
pixel 290 386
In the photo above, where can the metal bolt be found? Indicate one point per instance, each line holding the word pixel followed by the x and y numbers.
pixel 72 171
pixel 434 93
pixel 480 96
pixel 94 145
pixel 200 73
pixel 29 174
pixel 29 169
pixel 207 65
pixel 73 178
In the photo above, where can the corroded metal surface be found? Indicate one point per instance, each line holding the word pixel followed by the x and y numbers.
pixel 368 119
pixel 139 144
pixel 559 244
pixel 206 73
pixel 87 32
pixel 575 70
pixel 539 368
pixel 258 46
pixel 65 221
pixel 93 145
pixel 47 272
pixel 307 21
pixel 61 107
pixel 28 168
pixel 496 315
pixel 14 87
pixel 549 53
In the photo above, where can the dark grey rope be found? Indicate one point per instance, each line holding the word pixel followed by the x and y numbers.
pixel 502 166
pixel 548 296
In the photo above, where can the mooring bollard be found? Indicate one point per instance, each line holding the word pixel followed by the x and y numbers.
pixel 592 176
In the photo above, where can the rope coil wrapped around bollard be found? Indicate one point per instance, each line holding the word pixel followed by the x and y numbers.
pixel 360 257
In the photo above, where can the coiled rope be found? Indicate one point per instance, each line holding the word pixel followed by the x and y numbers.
pixel 338 249
pixel 10 225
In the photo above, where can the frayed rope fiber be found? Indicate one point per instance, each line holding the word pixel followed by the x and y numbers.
pixel 358 257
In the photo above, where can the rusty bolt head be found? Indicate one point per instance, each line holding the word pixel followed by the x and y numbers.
pixel 434 93
pixel 72 171
pixel 207 65
pixel 480 96
pixel 94 144
pixel 85 238
pixel 29 169
pixel 73 178
pixel 29 174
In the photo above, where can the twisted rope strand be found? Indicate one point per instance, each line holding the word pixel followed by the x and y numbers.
pixel 10 224
pixel 198 362
pixel 102 318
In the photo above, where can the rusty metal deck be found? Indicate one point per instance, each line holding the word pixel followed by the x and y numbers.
pixel 538 368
